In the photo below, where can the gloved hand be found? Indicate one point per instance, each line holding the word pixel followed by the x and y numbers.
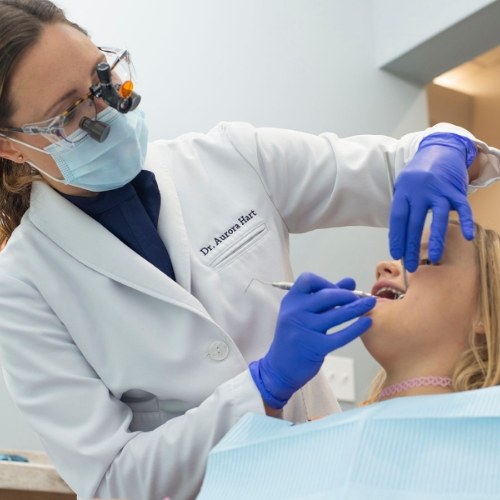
pixel 311 307
pixel 435 179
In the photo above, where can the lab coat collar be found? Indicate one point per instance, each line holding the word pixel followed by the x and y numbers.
pixel 172 229
pixel 94 246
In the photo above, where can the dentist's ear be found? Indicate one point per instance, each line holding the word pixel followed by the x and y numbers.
pixel 9 151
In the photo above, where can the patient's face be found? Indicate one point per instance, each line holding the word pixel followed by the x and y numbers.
pixel 436 315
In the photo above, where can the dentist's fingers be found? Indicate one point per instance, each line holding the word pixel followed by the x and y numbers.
pixel 340 314
pixel 398 224
pixel 415 229
pixel 348 334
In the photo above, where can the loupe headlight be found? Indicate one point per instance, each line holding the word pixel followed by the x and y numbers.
pixel 119 95
pixel 115 88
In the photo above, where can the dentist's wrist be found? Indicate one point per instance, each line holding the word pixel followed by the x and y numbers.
pixel 450 140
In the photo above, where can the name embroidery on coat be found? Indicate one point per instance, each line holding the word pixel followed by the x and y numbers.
pixel 228 233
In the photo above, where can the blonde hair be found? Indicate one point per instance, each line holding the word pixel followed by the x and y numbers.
pixel 479 365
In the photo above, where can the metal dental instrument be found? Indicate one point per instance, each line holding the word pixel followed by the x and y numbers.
pixel 286 285
pixel 391 189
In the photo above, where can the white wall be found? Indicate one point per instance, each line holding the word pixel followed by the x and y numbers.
pixel 292 63
pixel 425 39
pixel 302 64
pixel 402 25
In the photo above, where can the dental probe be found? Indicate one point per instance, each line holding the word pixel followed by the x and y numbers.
pixel 286 285
pixel 391 188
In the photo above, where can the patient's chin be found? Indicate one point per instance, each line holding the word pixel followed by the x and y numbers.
pixel 381 345
pixel 368 339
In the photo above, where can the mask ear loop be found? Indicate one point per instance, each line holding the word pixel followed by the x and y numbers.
pixel 41 171
pixel 30 163
pixel 24 144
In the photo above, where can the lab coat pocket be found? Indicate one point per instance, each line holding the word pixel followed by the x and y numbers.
pixel 234 249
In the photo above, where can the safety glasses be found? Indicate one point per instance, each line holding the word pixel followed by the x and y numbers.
pixel 67 124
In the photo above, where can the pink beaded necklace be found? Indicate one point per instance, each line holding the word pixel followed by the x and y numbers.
pixel 411 383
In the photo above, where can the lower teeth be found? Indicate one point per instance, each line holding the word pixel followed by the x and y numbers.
pixel 402 296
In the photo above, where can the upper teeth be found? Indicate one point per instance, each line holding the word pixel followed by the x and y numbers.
pixel 397 293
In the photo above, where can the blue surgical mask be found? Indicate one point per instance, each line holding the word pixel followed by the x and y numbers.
pixel 108 165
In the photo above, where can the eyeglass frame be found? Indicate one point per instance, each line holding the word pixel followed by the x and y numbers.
pixel 37 128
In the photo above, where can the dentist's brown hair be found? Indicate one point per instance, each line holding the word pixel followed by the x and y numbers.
pixel 21 24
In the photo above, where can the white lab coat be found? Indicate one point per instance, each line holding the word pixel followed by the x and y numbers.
pixel 130 378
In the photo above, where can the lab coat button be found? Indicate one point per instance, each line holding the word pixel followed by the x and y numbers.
pixel 218 350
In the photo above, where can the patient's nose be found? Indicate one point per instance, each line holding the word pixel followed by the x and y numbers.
pixel 388 269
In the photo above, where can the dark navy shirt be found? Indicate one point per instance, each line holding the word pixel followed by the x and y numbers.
pixel 131 214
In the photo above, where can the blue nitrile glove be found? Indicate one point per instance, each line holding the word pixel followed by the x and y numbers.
pixel 435 179
pixel 311 307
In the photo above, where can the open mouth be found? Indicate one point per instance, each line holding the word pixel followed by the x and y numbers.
pixel 390 293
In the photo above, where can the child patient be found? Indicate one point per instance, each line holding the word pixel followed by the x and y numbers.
pixel 438 336
pixel 442 333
